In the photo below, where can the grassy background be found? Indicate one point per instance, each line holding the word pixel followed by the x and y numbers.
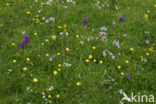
pixel 100 82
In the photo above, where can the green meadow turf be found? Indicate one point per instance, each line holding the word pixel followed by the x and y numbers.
pixel 81 82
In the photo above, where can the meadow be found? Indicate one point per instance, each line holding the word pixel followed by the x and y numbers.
pixel 77 51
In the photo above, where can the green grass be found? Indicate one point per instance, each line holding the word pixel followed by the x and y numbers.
pixel 100 82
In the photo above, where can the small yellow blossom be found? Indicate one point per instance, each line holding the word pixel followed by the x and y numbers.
pixel 41 23
pixel 78 83
pixel 28 12
pixel 94 60
pixel 128 8
pixel 49 96
pixel 24 69
pixel 145 16
pixel 154 5
pixel 60 27
pixel 65 25
pixel 42 44
pixel 36 0
pixel 119 67
pixel 47 54
pixel 93 47
pixel 35 80
pixel 131 49
pixel 31 75
pixel 14 61
pixel 49 4
pixel 90 56
pixel 122 73
pixel 77 36
pixel 28 59
pixel 100 61
pixel 7 4
pixel 141 57
pixel 35 34
pixel 13 44
pixel 150 49
pixel 87 60
pixel 127 61
pixel 148 11
pixel 147 54
pixel 59 69
pixel 37 16
pixel 67 49
pixel 58 54
pixel 59 65
pixel 55 72
pixel 53 37
pixel 58 96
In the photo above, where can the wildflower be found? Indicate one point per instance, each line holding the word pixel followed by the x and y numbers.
pixel 7 4
pixel 53 37
pixel 121 18
pixel 22 45
pixel 104 53
pixel 127 61
pixel 35 34
pixel 42 44
pixel 131 49
pixel 94 60
pixel 116 43
pixel 28 12
pixel 59 65
pixel 31 75
pixel 55 72
pixel 58 96
pixel 150 49
pixel 100 61
pixel 145 16
pixel 87 60
pixel 147 54
pixel 24 69
pixel 47 21
pixel 43 18
pixel 36 0
pixel 13 44
pixel 103 28
pixel 35 80
pixel 60 27
pixel 28 59
pixel 14 61
pixel 122 73
pixel 77 36
pixel 58 54
pixel 119 67
pixel 84 21
pixel 67 49
pixel 49 96
pixel 147 41
pixel 124 35
pixel 104 38
pixel 78 83
pixel 51 19
pixel 128 76
pixel 65 25
pixel 90 56
pixel 141 57
pixel 148 11
pixel 93 47
pixel 154 5
pixel 59 69
pixel 26 39
pixel 47 54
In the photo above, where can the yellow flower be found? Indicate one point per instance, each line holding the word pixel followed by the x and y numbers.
pixel 77 36
pixel 28 59
pixel 41 23
pixel 59 69
pixel 47 54
pixel 154 5
pixel 78 83
pixel 58 96
pixel 131 49
pixel 141 56
pixel 31 75
pixel 37 16
pixel 127 61
pixel 53 37
pixel 35 34
pixel 58 54
pixel 67 49
pixel 60 27
pixel 150 49
pixel 35 80
pixel 42 44
pixel 49 4
pixel 55 72
pixel 14 61
pixel 117 8
pixel 49 96
pixel 147 54
pixel 100 61
pixel 24 69
pixel 94 60
pixel 90 56
pixel 145 16
pixel 13 44
pixel 87 60
pixel 59 65
pixel 148 11
pixel 122 73
pixel 65 25
pixel 7 4
pixel 36 0
pixel 128 8
pixel 93 47
pixel 28 12
pixel 119 67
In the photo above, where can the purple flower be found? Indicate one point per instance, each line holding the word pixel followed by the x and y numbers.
pixel 103 5
pixel 124 18
pixel 51 19
pixel 116 43
pixel 104 53
pixel 128 76
pixel 121 18
pixel 47 21
pixel 124 35
pixel 26 39
pixel 113 57
pixel 22 45
pixel 104 38
pixel 103 28
pixel 43 18
pixel 84 21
